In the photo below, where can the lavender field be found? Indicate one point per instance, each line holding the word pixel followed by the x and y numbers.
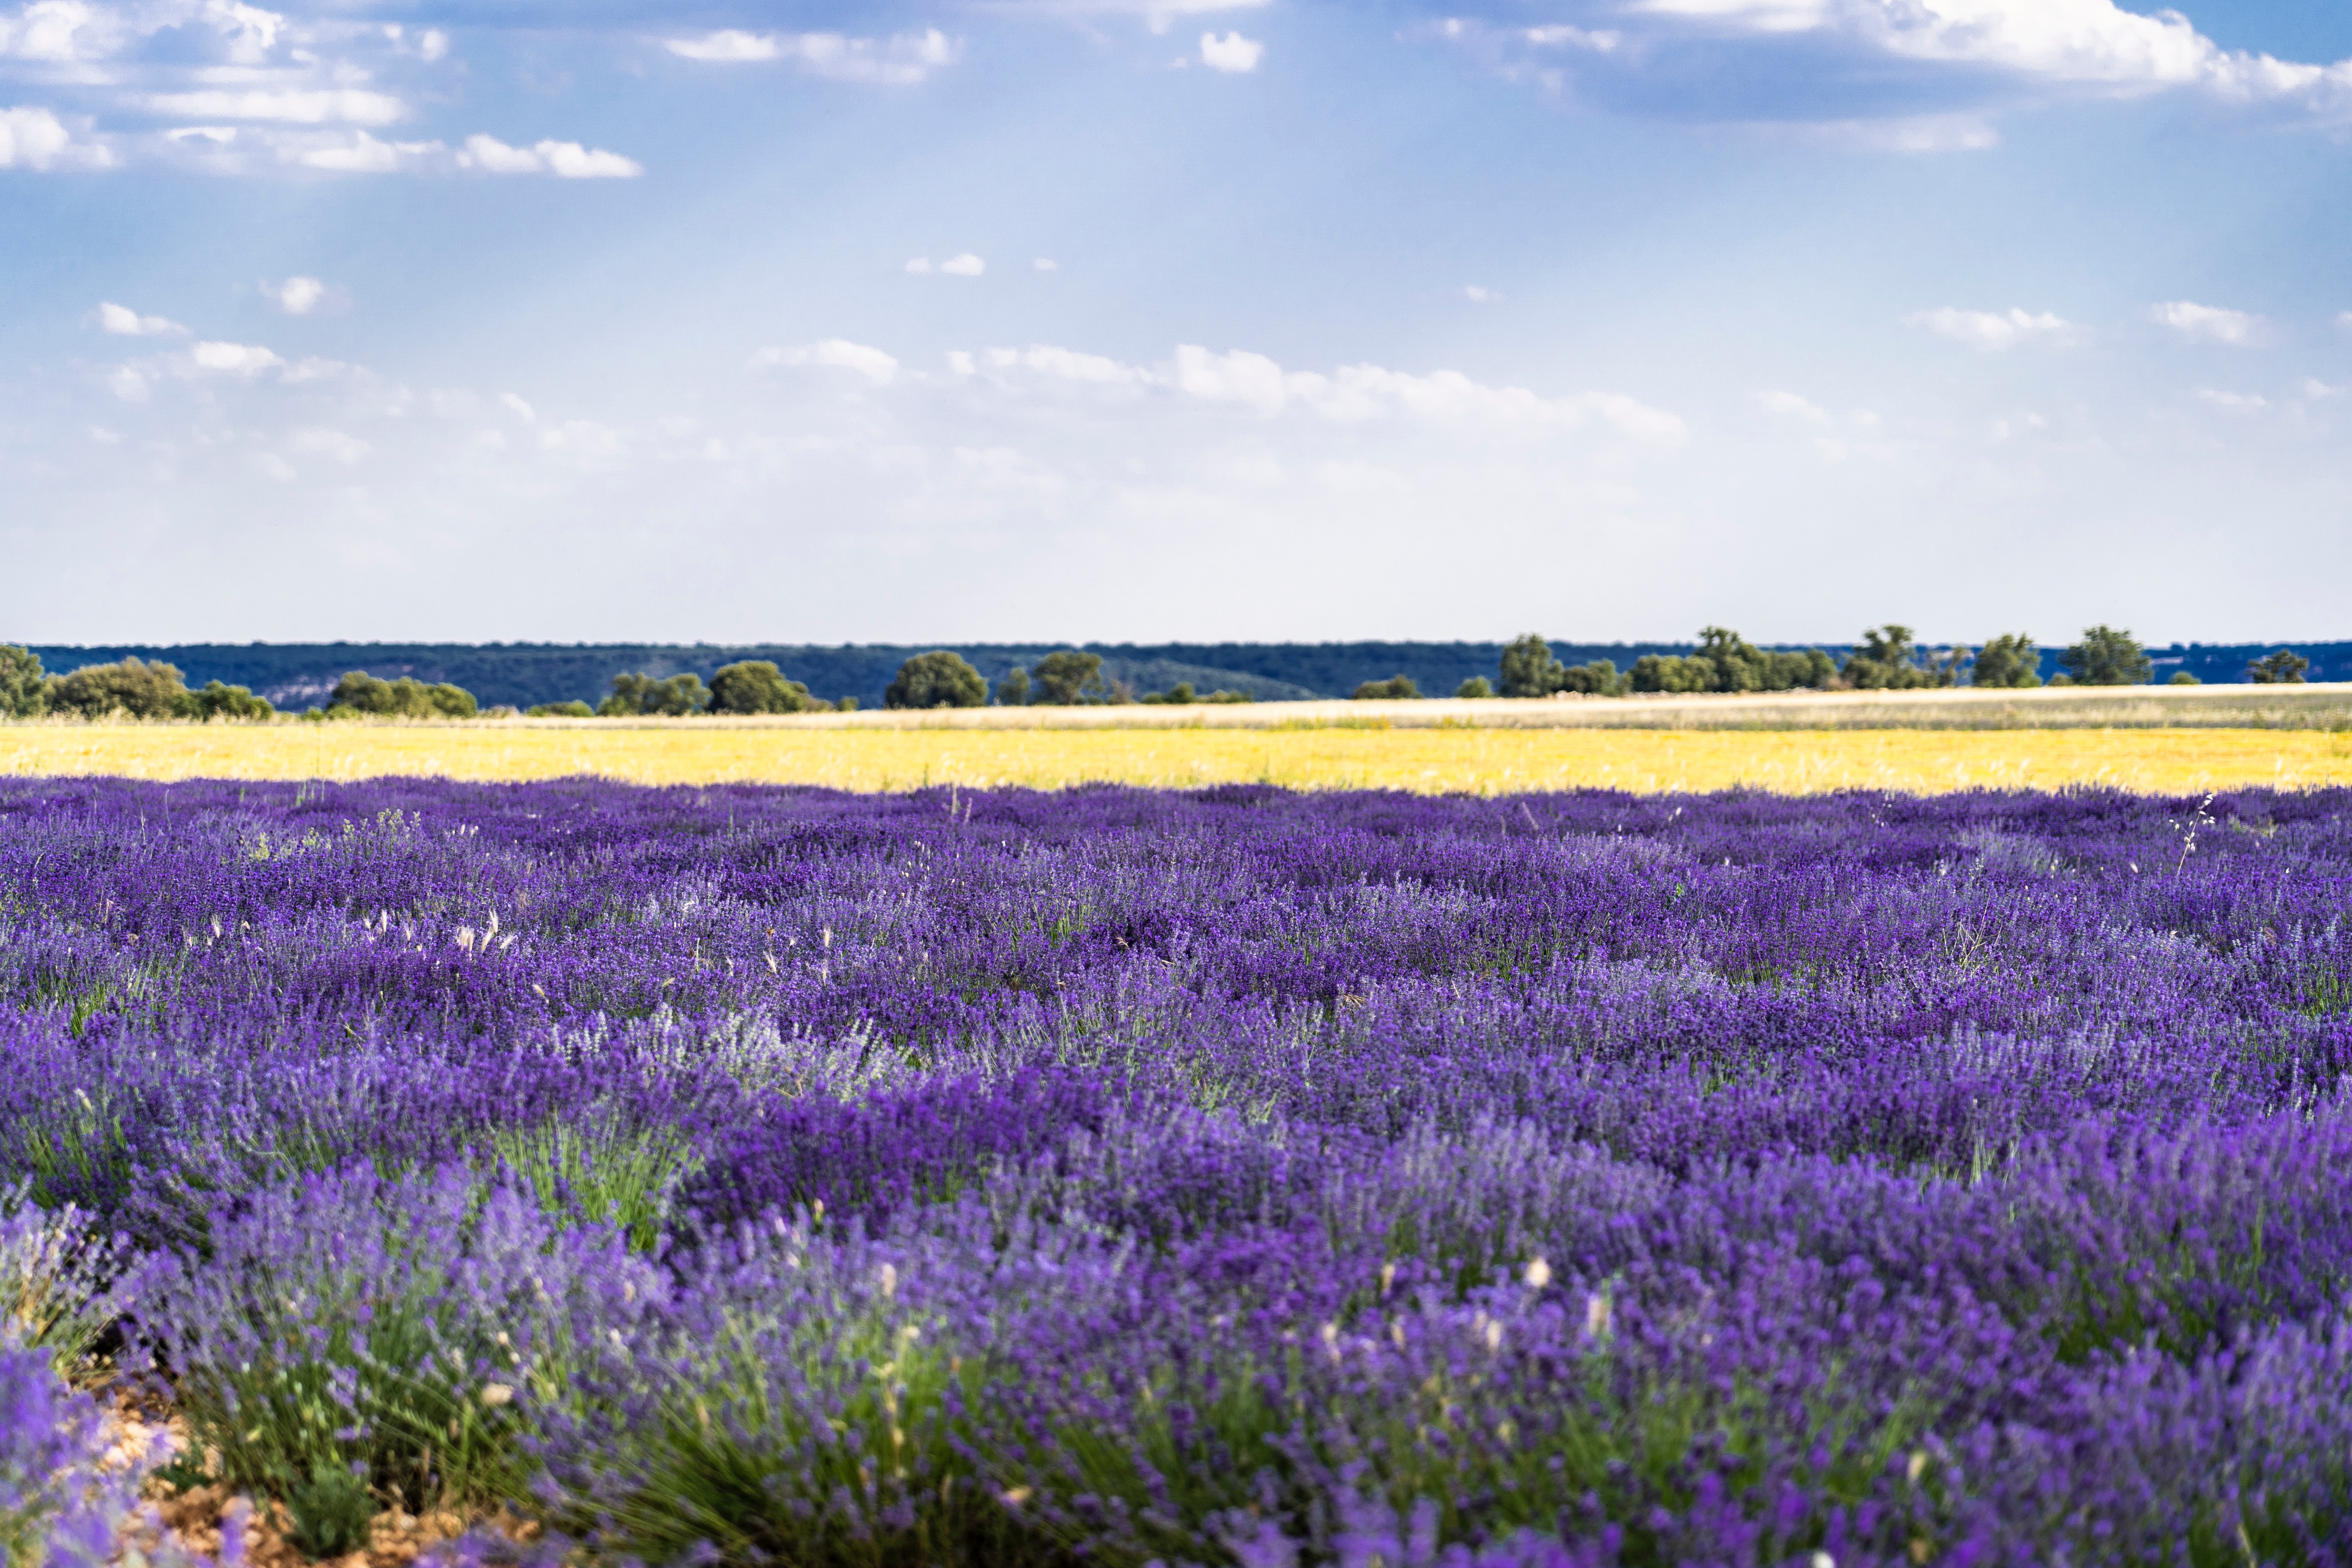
pixel 771 1175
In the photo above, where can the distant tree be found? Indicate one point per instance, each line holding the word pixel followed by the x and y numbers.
pixel 1671 672
pixel 642 696
pixel 757 686
pixel 562 711
pixel 1012 689
pixel 846 705
pixel 1395 689
pixel 2284 667
pixel 1477 685
pixel 219 702
pixel 2010 661
pixel 2106 656
pixel 1788 671
pixel 941 680
pixel 357 692
pixel 132 688
pixel 23 691
pixel 1178 695
pixel 1888 660
pixel 1224 697
pixel 2183 678
pixel 1529 668
pixel 1069 677
pixel 1599 678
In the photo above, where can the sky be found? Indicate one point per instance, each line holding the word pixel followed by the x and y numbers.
pixel 1173 319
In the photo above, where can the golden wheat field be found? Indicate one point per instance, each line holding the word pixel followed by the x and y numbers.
pixel 1444 760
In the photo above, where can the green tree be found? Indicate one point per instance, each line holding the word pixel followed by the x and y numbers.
pixel 562 711
pixel 1066 679
pixel 642 696
pixel 219 702
pixel 1888 660
pixel 360 693
pixel 1395 689
pixel 1012 689
pixel 1599 678
pixel 1529 668
pixel 1671 672
pixel 941 680
pixel 2106 656
pixel 757 686
pixel 134 687
pixel 846 705
pixel 2182 678
pixel 2010 660
pixel 1477 685
pixel 1178 695
pixel 2284 667
pixel 23 691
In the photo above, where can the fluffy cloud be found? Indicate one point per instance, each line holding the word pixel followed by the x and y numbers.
pixel 59 32
pixel 33 138
pixel 2237 402
pixel 902 61
pixel 1158 14
pixel 300 106
pixel 297 295
pixel 233 359
pixel 1992 331
pixel 835 354
pixel 123 321
pixel 1794 406
pixel 1232 52
pixel 2196 323
pixel 965 266
pixel 564 160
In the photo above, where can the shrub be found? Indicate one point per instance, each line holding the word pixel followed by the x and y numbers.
pixel 22 690
pixel 636 696
pixel 1888 660
pixel 219 702
pixel 1069 677
pixel 1395 689
pixel 2182 678
pixel 936 679
pixel 360 693
pixel 1529 669
pixel 2284 667
pixel 2010 661
pixel 846 705
pixel 562 711
pixel 2106 656
pixel 1180 695
pixel 1667 672
pixel 1475 688
pixel 132 688
pixel 757 686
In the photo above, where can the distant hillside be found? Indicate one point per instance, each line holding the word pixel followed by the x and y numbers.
pixel 300 675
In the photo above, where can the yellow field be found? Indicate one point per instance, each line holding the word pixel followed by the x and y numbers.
pixel 1469 759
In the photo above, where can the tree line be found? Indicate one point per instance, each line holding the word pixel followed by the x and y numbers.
pixel 1888 658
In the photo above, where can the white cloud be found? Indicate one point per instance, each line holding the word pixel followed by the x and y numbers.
pixel 564 160
pixel 518 408
pixel 1232 52
pixel 301 106
pixel 1478 295
pixel 1158 14
pixel 233 359
pixel 335 445
pixel 296 296
pixel 1993 331
pixel 902 61
pixel 33 138
pixel 835 354
pixel 363 155
pixel 2344 322
pixel 965 266
pixel 2196 323
pixel 1065 364
pixel 2233 400
pixel 1046 264
pixel 125 323
pixel 1561 36
pixel 433 46
pixel 1792 405
pixel 2318 391
pixel 59 32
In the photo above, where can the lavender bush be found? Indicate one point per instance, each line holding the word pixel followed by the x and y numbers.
pixel 1231 1177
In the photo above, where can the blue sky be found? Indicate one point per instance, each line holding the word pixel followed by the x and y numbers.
pixel 1125 320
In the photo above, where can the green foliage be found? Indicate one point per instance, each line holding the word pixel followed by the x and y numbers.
pixel 2106 656
pixel 1669 672
pixel 606 1175
pixel 1529 669
pixel 23 691
pixel 756 685
pixel 1069 677
pixel 2182 678
pixel 1888 660
pixel 1395 689
pixel 2010 661
pixel 1475 688
pixel 938 679
pixel 846 705
pixel 1012 689
pixel 217 701
pixel 562 711
pixel 1598 679
pixel 1180 694
pixel 359 693
pixel 2284 667
pixel 133 688
pixel 639 696
pixel 332 1512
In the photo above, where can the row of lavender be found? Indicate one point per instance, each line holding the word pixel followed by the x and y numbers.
pixel 1231 1177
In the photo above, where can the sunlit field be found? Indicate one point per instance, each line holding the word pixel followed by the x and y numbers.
pixel 1427 760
